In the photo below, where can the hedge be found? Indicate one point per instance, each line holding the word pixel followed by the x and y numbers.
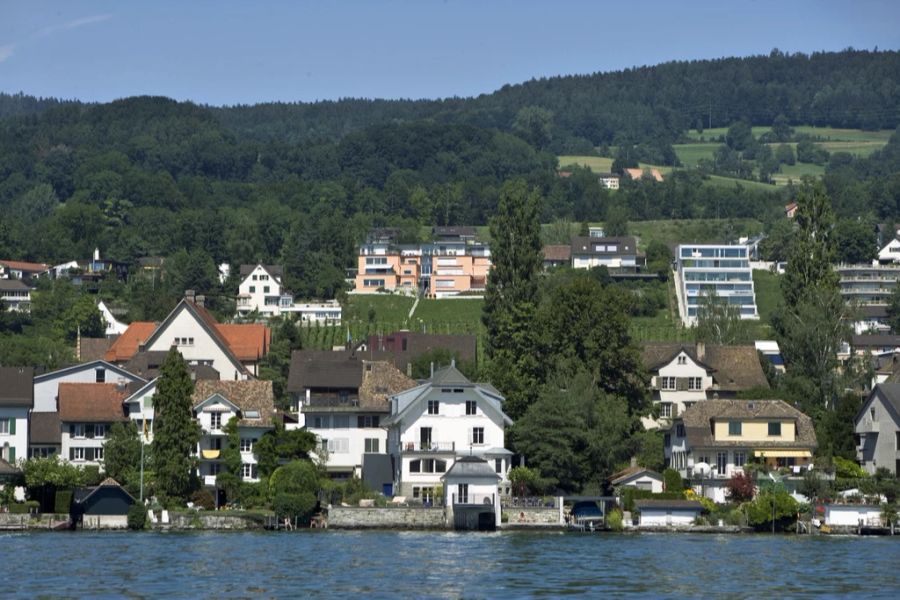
pixel 63 502
pixel 630 494
pixel 31 506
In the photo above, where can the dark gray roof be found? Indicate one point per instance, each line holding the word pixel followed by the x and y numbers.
pixel 472 467
pixel 8 469
pixel 587 245
pixel 93 348
pixel 464 346
pixel 146 364
pixel 698 420
pixel 875 341
pixel 44 429
pixel 323 369
pixel 449 376
pixel 682 504
pixel 14 285
pixel 17 386
pixel 890 393
pixel 631 473
pixel 274 270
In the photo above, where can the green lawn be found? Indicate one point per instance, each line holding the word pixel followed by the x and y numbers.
pixel 826 133
pixel 700 231
pixel 767 286
pixel 597 164
pixel 387 307
pixel 691 154
pixel 794 172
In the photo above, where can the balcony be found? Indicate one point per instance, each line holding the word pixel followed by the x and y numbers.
pixel 429 447
pixel 472 499
pixel 210 454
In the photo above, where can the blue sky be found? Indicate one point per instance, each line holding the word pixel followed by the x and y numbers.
pixel 228 52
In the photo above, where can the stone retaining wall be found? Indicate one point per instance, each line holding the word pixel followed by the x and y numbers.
pixel 531 516
pixel 217 522
pixel 352 517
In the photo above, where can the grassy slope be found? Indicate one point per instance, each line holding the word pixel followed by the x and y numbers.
pixel 768 293
pixel 700 231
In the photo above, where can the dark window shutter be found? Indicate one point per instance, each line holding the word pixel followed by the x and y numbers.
pixel 71 453
pixel 681 384
pixel 89 454
pixel 12 453
pixel 72 430
pixel 12 429
pixel 360 422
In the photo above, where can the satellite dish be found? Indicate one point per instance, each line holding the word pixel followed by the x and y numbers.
pixel 702 468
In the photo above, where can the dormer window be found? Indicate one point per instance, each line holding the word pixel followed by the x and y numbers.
pixel 682 359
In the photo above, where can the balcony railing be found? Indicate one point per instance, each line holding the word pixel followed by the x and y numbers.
pixel 429 447
pixel 484 499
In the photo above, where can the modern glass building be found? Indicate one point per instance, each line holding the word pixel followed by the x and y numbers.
pixel 722 270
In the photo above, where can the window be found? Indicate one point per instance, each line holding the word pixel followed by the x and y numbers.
pixel 5 426
pixel 100 430
pixel 403 345
pixel 415 466
pixel 214 468
pixel 255 277
pixel 462 493
pixel 76 430
pixel 318 422
pixel 425 437
pixel 498 465
pixel 695 383
pixel 246 471
pixel 477 435
pixel 872 413
pixel 740 459
pixel 734 428
pixel 434 407
pixel 100 375
pixel 471 407
pixel 98 453
pixel 215 444
pixel 246 445
pixel 341 422
pixel 679 430
pixel 721 462
pixel 373 282
pixel 775 428
pixel 682 360
pixel 367 421
pixel 372 445
pixel 215 420
pixel 265 289
pixel 252 289
pixel 339 446
pixel 665 410
pixel 666 383
pixel 77 454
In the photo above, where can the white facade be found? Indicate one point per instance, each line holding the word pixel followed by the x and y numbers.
pixel 196 344
pixel 262 291
pixel 15 295
pixel 213 415
pixel 852 515
pixel 316 312
pixel 46 386
pixel 113 326
pixel 679 384
pixel 433 424
pixel 890 253
pixel 140 410
pixel 13 433
pixel 82 443
pixel 662 516
pixel 877 427
pixel 346 436
pixel 719 269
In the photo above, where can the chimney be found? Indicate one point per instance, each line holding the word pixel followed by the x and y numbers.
pixel 96 254
pixel 634 461
pixel 200 301
pixel 189 295
pixel 701 351
pixel 432 369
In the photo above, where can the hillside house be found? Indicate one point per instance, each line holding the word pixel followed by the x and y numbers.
pixel 616 253
pixel 877 429
pixel 15 295
pixel 714 439
pixel 16 402
pixel 439 421
pixel 261 291
pixel 682 375
pixel 86 413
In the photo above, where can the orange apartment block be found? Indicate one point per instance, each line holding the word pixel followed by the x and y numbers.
pixel 453 263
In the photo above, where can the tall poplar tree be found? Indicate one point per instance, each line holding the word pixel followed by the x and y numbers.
pixel 812 248
pixel 175 432
pixel 511 296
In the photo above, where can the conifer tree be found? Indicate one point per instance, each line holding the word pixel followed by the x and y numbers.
pixel 175 432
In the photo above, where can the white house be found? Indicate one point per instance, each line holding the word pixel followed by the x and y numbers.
pixel 139 406
pixel 214 404
pixel 852 515
pixel 611 252
pixel 113 325
pixel 86 413
pixel 472 493
pixel 16 402
pixel 890 253
pixel 434 424
pixel 46 386
pixel 684 374
pixel 638 477
pixel 668 513
pixel 877 427
pixel 233 350
pixel 261 290
pixel 15 295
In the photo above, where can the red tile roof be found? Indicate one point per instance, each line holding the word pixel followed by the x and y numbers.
pixel 91 402
pixel 247 341
pixel 558 252
pixel 19 265
pixel 126 345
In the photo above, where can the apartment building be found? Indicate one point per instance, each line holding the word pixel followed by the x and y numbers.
pixel 723 270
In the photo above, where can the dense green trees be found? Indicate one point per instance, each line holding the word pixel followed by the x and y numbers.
pixel 122 454
pixel 175 432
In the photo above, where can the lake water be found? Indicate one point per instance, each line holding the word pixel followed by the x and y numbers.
pixel 444 565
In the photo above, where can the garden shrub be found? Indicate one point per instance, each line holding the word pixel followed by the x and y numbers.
pixel 202 498
pixel 137 516
pixel 62 502
pixel 615 520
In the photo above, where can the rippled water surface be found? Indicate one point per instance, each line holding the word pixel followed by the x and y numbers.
pixel 444 565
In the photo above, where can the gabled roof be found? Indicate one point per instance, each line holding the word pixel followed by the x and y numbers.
pixel 17 386
pixel 324 369
pixel 471 467
pixel 698 422
pixel 14 285
pixel 25 267
pixel 557 252
pixel 733 368
pixel 90 349
pixel 44 429
pixel 890 396
pixel 128 343
pixel 272 270
pixel 91 402
pixel 679 504
pixel 148 363
pixel 90 365
pixel 8 469
pixel 83 494
pixel 250 396
pixel 248 341
pixel 450 376
pixel 632 473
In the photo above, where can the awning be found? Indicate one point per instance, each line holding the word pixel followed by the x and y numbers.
pixel 210 454
pixel 782 453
